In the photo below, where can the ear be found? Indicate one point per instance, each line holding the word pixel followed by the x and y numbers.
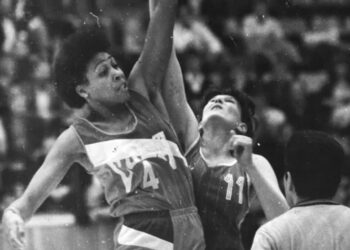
pixel 200 125
pixel 242 128
pixel 81 91
pixel 289 188
pixel 288 183
pixel 200 129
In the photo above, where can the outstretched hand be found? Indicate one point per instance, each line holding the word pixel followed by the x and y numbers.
pixel 13 226
pixel 242 148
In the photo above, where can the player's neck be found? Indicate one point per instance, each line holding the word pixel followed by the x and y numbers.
pixel 97 112
pixel 118 120
pixel 214 144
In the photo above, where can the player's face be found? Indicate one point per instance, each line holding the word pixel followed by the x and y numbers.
pixel 224 107
pixel 106 81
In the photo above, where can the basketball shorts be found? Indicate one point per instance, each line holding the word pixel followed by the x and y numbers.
pixel 160 230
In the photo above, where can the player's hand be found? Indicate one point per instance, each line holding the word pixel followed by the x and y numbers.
pixel 13 226
pixel 242 148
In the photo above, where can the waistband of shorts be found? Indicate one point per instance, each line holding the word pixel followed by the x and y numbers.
pixel 160 213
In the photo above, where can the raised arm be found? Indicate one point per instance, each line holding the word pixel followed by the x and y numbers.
pixel 262 177
pixel 174 97
pixel 57 163
pixel 149 70
pixel 180 113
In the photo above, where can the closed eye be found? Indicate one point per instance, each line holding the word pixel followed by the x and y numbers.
pixel 103 71
pixel 114 64
pixel 231 101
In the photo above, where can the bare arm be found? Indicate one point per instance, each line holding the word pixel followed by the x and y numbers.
pixel 49 175
pixel 262 177
pixel 149 70
pixel 180 112
pixel 266 187
pixel 174 97
pixel 57 163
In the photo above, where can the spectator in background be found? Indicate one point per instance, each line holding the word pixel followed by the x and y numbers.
pixel 5 75
pixel 264 36
pixel 191 32
pixel 260 24
pixel 32 31
pixel 343 194
pixel 3 139
pixel 340 99
pixel 7 26
pixel 341 90
pixel 274 129
pixel 313 170
pixel 323 30
pixel 194 78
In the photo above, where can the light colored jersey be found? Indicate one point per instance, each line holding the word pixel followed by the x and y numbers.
pixel 222 199
pixel 320 225
pixel 142 169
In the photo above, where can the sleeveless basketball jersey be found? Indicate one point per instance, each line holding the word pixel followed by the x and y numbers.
pixel 140 170
pixel 222 199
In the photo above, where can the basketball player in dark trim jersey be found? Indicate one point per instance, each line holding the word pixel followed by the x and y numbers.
pixel 219 150
pixel 124 139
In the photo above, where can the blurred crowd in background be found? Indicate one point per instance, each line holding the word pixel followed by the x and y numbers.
pixel 291 57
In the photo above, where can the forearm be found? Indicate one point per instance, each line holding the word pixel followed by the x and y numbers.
pixel 35 194
pixel 158 44
pixel 41 185
pixel 268 192
pixel 152 6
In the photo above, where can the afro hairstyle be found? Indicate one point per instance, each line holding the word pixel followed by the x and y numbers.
pixel 71 60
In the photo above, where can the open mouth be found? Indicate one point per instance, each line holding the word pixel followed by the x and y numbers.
pixel 216 107
pixel 124 85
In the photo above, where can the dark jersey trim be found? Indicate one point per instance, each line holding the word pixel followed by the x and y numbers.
pixel 315 202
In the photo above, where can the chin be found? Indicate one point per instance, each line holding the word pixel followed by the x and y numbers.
pixel 125 97
pixel 220 118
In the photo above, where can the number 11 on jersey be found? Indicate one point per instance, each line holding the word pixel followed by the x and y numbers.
pixel 240 183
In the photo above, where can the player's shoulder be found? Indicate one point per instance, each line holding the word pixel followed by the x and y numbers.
pixel 68 141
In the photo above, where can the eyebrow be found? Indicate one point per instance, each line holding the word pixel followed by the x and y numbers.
pixel 230 98
pixel 101 61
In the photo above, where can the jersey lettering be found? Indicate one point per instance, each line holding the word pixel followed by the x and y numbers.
pixel 166 147
pixel 240 183
pixel 149 178
pixel 124 173
pixel 229 180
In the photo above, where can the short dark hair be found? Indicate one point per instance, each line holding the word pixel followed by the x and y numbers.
pixel 246 104
pixel 314 160
pixel 71 61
